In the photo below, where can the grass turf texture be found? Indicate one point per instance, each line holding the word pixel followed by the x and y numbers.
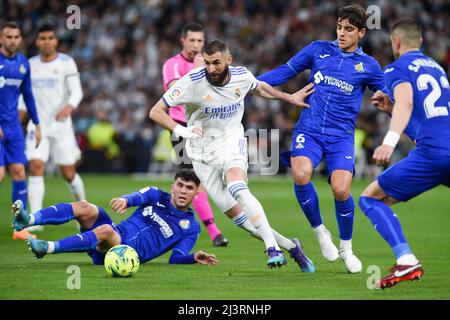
pixel 242 273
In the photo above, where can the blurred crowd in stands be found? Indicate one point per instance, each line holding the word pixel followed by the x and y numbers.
pixel 122 45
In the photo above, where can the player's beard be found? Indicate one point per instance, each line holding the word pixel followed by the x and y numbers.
pixel 221 78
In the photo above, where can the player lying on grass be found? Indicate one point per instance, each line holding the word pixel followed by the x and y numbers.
pixel 162 222
pixel 421 91
pixel 214 100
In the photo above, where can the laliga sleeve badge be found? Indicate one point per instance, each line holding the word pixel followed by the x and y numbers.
pixel 175 93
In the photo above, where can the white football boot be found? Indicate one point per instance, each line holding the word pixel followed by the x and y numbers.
pixel 352 263
pixel 329 250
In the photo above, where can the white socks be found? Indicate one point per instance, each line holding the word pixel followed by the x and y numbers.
pixel 345 245
pixel 77 188
pixel 408 260
pixel 254 212
pixel 36 191
pixel 320 230
pixel 51 247
pixel 241 221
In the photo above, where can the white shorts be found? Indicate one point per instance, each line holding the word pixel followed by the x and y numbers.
pixel 59 143
pixel 213 178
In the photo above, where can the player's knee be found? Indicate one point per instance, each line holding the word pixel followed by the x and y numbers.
pixel 301 176
pixel 340 192
pixel 104 232
pixel 17 172
pixel 68 175
pixel 84 210
pixel 37 168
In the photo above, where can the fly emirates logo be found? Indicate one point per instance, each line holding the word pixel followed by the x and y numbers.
pixel 222 112
pixel 342 85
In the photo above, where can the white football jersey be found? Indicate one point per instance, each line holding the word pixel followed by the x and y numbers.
pixel 218 110
pixel 55 84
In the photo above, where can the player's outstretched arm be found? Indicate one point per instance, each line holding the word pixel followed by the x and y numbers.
pixel 158 113
pixel 266 91
pixel 401 114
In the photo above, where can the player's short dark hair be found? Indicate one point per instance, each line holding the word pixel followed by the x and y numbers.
pixel 411 32
pixel 46 27
pixel 355 14
pixel 193 27
pixel 187 175
pixel 214 46
pixel 11 25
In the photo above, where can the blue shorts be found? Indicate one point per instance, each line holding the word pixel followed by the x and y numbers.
pixel 12 146
pixel 339 152
pixel 414 175
pixel 98 257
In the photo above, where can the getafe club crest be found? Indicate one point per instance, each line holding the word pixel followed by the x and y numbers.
pixel 237 94
pixel 359 67
pixel 185 224
pixel 22 69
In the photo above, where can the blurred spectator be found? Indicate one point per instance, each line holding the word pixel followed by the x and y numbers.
pixel 122 44
pixel 102 148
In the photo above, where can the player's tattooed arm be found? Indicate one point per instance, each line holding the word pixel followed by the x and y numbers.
pixel 266 91
pixel 401 114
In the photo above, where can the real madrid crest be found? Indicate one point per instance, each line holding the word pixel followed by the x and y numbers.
pixel 23 69
pixel 359 67
pixel 237 93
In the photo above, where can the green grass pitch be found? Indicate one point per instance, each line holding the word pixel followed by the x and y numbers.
pixel 242 273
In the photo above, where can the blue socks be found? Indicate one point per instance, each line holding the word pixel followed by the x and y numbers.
pixel 78 243
pixel 386 223
pixel 19 191
pixel 57 214
pixel 309 202
pixel 344 215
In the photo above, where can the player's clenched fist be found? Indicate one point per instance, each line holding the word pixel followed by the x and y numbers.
pixel 382 154
pixel 118 205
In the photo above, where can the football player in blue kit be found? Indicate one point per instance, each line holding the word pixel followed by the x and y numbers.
pixel 421 92
pixel 162 222
pixel 341 71
pixel 14 80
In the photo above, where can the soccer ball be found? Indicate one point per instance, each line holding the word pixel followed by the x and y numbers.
pixel 121 261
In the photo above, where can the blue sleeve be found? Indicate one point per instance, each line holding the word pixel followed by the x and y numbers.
pixel 394 76
pixel 141 197
pixel 180 253
pixel 377 80
pixel 28 98
pixel 301 61
pixel 278 76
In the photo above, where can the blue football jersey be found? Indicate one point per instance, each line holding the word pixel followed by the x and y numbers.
pixel 156 226
pixel 431 99
pixel 14 80
pixel 340 80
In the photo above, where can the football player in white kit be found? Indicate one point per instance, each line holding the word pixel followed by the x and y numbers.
pixel 57 91
pixel 214 100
